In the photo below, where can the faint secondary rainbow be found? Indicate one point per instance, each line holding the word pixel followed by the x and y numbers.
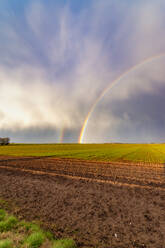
pixel 112 84
pixel 61 136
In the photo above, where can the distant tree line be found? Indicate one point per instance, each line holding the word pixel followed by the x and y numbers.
pixel 4 141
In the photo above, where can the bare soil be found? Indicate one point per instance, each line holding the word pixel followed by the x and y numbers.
pixel 101 205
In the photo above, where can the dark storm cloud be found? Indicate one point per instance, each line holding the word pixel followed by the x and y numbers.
pixel 142 117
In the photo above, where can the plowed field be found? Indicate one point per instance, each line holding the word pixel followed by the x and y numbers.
pixel 137 174
pixel 106 205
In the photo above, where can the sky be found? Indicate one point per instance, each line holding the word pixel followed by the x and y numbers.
pixel 57 57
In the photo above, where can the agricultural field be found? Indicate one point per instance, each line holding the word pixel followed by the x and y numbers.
pixel 100 196
pixel 149 153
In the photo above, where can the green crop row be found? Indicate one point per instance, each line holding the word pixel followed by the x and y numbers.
pixel 152 153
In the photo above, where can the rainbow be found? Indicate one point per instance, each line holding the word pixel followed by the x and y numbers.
pixel 110 86
pixel 61 135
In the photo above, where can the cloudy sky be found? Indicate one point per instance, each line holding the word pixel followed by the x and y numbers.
pixel 58 56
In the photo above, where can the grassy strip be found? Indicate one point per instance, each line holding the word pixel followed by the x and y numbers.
pixel 21 234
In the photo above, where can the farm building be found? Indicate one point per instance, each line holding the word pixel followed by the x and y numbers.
pixel 4 141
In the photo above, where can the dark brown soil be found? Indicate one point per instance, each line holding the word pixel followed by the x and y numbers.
pixel 114 206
